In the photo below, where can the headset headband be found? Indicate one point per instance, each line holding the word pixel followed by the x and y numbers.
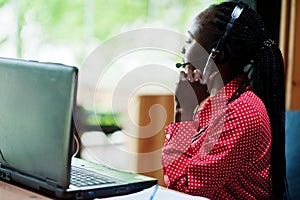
pixel 234 15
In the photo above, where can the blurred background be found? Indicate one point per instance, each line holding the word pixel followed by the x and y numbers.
pixel 67 31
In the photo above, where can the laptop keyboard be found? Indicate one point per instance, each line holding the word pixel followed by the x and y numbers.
pixel 81 177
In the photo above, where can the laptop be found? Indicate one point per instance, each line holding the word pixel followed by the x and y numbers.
pixel 37 133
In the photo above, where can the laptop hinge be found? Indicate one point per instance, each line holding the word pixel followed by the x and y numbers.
pixel 4 174
pixel 51 183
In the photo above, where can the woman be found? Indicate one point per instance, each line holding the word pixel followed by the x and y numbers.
pixel 232 146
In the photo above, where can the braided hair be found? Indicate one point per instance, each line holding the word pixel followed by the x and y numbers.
pixel 250 43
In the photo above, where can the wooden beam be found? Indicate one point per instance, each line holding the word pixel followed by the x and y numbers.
pixel 284 32
pixel 155 113
pixel 293 58
pixel 295 100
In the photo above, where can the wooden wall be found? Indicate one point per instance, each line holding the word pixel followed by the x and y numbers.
pixel 290 44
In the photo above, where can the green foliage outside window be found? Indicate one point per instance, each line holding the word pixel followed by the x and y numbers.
pixel 75 23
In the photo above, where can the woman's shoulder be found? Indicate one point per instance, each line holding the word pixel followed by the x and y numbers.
pixel 248 103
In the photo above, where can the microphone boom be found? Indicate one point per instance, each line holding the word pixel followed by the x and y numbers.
pixel 178 65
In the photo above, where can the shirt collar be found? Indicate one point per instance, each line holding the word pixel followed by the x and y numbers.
pixel 221 98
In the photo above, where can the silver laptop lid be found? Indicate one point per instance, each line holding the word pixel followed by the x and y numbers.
pixel 35 118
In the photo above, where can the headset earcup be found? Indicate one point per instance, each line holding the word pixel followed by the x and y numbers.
pixel 222 55
pixel 225 54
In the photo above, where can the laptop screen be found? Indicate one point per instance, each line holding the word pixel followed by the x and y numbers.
pixel 35 120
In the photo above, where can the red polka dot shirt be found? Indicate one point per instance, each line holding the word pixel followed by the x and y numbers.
pixel 224 153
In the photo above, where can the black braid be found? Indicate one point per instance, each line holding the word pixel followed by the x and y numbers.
pixel 246 40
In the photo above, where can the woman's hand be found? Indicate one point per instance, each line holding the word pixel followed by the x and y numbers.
pixel 189 93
